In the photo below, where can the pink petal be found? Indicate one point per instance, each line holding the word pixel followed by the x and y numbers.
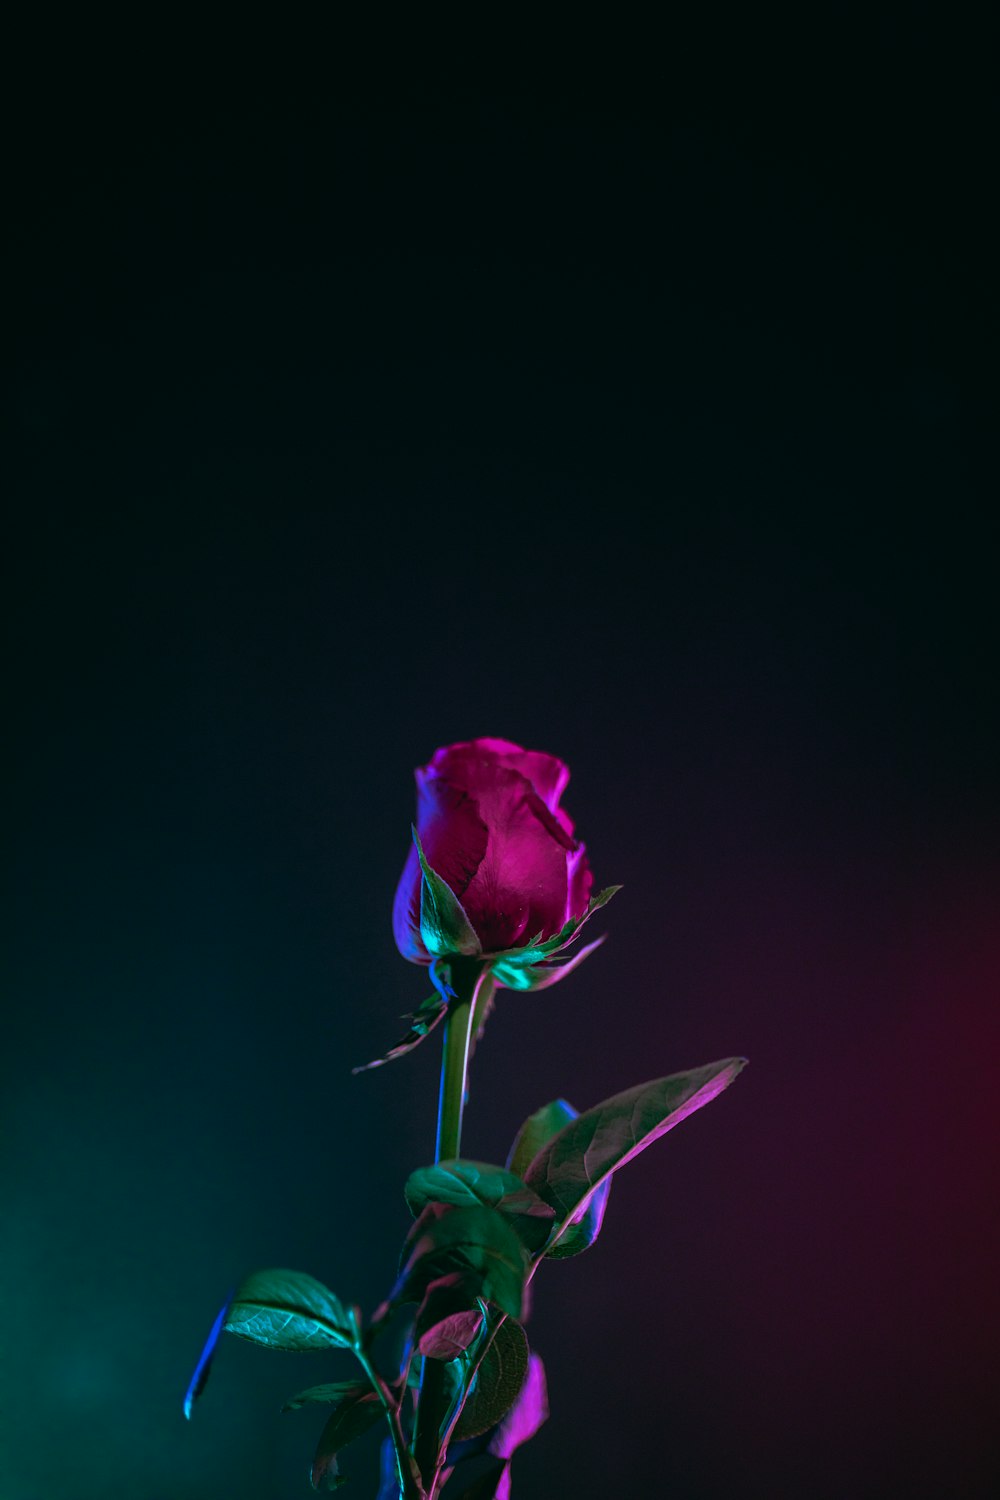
pixel 547 773
pixel 521 885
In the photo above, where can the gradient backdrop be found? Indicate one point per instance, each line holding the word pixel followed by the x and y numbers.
pixel 633 407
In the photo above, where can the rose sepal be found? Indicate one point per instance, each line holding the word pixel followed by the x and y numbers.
pixel 531 977
pixel 539 949
pixel 422 1021
pixel 445 928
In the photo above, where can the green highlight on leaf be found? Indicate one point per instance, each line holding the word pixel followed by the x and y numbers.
pixel 290 1310
pixel 444 926
pixel 571 1167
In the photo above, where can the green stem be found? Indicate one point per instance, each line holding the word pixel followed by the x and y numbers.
pixel 408 1486
pixel 467 976
pixel 454 1069
pixel 490 1330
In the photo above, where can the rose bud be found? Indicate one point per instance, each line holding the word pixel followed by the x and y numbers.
pixel 495 869
pixel 494 877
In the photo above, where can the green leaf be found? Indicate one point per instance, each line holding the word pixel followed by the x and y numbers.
pixel 424 1020
pixel 444 925
pixel 475 1240
pixel 497 1384
pixel 539 1128
pixel 354 1416
pixel 584 1227
pixel 526 1416
pixel 290 1310
pixel 536 1131
pixel 326 1394
pixel 449 1318
pixel 571 1167
pixel 467 1183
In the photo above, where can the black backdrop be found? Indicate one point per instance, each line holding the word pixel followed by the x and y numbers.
pixel 632 402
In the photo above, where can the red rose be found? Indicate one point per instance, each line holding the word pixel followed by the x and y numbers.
pixel 490 825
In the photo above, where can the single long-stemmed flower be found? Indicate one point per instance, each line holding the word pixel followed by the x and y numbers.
pixel 494 894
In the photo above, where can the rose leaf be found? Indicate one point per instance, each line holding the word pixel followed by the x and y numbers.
pixel 497 1384
pixel 476 1242
pixel 338 1390
pixel 527 1414
pixel 468 1183
pixel 573 1165
pixel 290 1310
pixel 353 1416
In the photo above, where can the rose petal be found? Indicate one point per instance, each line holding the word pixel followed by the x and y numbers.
pixel 547 773
pixel 521 885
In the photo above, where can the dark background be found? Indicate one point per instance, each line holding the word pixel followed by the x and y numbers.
pixel 625 395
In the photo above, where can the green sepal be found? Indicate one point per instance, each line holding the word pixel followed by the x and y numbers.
pixel 444 925
pixel 515 976
pixel 422 1023
pixel 535 951
pixel 290 1310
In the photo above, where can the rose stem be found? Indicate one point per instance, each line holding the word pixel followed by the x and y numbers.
pixel 466 981
pixel 408 1489
pixel 466 978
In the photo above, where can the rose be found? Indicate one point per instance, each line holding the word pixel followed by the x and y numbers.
pixel 490 827
pixel 495 888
